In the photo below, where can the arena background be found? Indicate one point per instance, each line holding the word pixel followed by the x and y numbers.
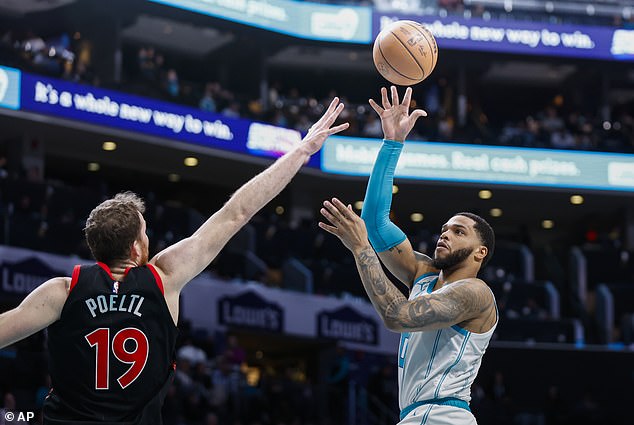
pixel 531 124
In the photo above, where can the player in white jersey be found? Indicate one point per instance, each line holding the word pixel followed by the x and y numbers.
pixel 450 315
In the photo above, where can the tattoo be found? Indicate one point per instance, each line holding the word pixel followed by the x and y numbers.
pixel 398 250
pixel 385 297
pixel 455 303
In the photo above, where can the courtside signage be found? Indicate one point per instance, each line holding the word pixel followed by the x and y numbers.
pixel 521 37
pixel 23 270
pixel 347 324
pixel 250 310
pixel 486 164
pixel 93 105
pixel 113 109
pixel 348 24
pixel 214 305
pixel 9 88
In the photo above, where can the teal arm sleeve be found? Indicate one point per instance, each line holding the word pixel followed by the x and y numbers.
pixel 382 233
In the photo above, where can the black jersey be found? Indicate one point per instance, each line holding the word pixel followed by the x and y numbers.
pixel 112 350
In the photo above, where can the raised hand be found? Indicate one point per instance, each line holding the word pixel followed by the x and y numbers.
pixel 319 132
pixel 396 120
pixel 345 224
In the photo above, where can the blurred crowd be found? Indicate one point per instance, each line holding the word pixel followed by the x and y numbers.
pixel 557 124
pixel 63 55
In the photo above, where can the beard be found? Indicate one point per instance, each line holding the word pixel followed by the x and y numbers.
pixel 452 259
pixel 145 254
pixel 144 257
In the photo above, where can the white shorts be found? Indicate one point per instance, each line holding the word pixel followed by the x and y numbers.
pixel 436 414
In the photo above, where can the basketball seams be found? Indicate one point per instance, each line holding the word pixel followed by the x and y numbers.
pixel 411 54
pixel 388 63
pixel 431 49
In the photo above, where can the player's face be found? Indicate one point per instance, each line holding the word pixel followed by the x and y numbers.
pixel 145 243
pixel 458 241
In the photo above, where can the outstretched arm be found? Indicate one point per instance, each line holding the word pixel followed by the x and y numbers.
pixel 39 309
pixel 179 263
pixel 455 303
pixel 388 240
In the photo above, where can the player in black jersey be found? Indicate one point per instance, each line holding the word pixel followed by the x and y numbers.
pixel 111 326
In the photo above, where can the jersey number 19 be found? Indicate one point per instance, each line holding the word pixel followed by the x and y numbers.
pixel 100 339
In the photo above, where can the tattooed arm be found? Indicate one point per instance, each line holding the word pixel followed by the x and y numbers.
pixel 455 303
pixel 458 302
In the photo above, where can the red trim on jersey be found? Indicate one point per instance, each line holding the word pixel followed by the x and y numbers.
pixel 106 269
pixel 125 273
pixel 74 278
pixel 159 282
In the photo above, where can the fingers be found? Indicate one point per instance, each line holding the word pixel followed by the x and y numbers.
pixel 394 95
pixel 339 128
pixel 343 210
pixel 328 213
pixel 335 211
pixel 328 118
pixel 416 115
pixel 376 107
pixel 407 99
pixel 333 104
pixel 327 228
pixel 334 115
pixel 384 101
pixel 334 109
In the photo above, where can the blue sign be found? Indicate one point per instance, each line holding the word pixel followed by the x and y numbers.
pixel 9 88
pixel 520 37
pixel 486 164
pixel 348 325
pixel 22 277
pixel 109 108
pixel 348 24
pixel 251 311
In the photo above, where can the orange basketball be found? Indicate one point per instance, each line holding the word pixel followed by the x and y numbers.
pixel 405 53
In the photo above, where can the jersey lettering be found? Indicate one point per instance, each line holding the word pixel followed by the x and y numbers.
pixel 115 302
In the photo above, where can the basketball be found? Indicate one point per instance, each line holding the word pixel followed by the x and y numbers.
pixel 405 53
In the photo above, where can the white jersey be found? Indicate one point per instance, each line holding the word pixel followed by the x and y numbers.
pixel 438 364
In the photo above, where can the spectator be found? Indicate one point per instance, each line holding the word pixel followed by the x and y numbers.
pixel 234 354
pixel 172 83
pixel 191 353
pixel 232 111
pixel 207 103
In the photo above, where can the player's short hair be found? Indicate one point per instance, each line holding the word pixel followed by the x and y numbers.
pixel 113 226
pixel 485 233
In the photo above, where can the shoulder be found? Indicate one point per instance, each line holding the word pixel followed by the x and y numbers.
pixel 57 285
pixel 470 291
pixel 424 266
pixel 50 295
pixel 471 285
